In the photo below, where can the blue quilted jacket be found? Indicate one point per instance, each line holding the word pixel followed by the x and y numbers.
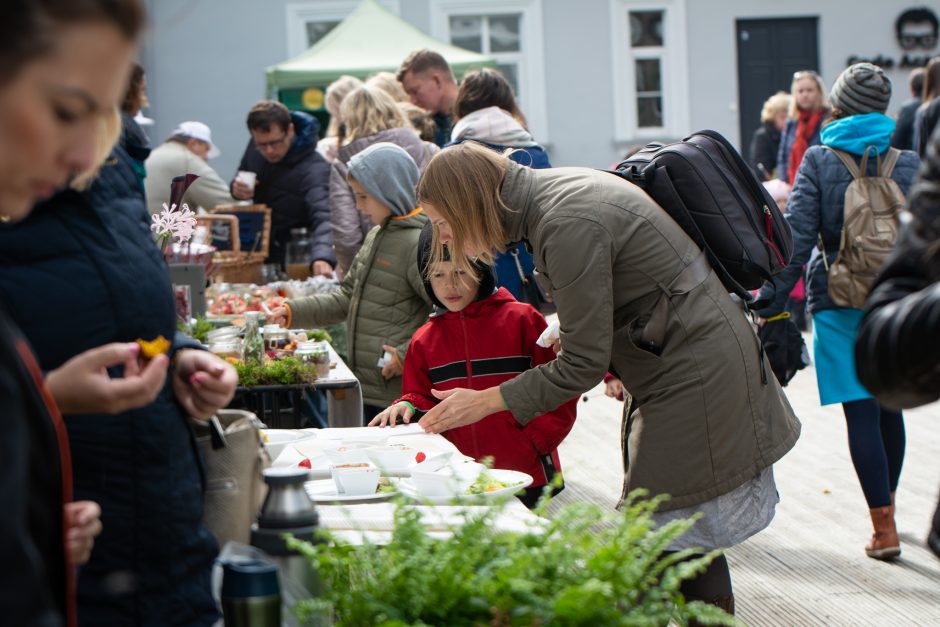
pixel 817 201
pixel 80 272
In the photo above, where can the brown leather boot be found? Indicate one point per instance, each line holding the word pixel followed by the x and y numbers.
pixel 884 544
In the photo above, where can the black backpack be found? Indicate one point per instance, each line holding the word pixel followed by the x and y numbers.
pixel 708 189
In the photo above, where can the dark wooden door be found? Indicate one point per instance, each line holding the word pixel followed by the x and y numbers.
pixel 769 52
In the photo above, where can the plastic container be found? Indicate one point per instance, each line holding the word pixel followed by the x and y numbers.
pixel 298 255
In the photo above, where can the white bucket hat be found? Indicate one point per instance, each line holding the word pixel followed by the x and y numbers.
pixel 197 130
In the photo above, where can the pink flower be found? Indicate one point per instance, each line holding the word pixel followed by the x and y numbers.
pixel 171 223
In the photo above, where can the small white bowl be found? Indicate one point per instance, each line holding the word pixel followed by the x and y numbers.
pixel 348 453
pixel 392 457
pixel 355 479
pixel 452 479
pixel 276 440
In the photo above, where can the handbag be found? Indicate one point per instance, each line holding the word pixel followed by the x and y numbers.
pixel 234 457
pixel 530 290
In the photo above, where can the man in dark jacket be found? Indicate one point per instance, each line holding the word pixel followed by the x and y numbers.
pixel 903 138
pixel 293 179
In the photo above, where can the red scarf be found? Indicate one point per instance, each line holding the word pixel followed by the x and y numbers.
pixel 809 121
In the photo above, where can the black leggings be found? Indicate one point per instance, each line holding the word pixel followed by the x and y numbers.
pixel 713 586
pixel 876 443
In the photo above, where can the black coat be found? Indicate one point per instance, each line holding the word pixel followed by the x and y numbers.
pixel 764 146
pixel 903 137
pixel 32 550
pixel 297 189
pixel 83 271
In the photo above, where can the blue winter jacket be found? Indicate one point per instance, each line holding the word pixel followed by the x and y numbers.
pixel 82 271
pixel 817 201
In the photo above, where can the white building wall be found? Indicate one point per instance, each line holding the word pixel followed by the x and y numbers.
pixel 846 28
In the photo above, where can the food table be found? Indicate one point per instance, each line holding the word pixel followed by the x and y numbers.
pixel 371 518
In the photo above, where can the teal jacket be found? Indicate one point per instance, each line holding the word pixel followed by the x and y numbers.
pixel 382 299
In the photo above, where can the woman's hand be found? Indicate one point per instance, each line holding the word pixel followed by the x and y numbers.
pixel 278 315
pixel 82 524
pixel 393 367
pixel 460 406
pixel 390 415
pixel 82 385
pixel 202 382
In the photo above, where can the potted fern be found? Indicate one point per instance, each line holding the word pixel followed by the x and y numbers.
pixel 586 566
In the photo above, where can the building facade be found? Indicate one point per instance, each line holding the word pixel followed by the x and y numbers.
pixel 593 77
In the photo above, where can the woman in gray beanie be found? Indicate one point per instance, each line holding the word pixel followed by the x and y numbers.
pixel 859 126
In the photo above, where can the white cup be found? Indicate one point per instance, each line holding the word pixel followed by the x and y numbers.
pixel 248 178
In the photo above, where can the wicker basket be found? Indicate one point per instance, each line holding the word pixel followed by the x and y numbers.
pixel 242 263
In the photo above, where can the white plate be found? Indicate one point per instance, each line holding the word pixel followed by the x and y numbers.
pixel 324 491
pixel 516 480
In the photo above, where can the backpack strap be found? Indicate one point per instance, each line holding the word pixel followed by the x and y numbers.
pixel 847 161
pixel 890 160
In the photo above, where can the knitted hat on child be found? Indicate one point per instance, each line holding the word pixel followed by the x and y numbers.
pixel 861 88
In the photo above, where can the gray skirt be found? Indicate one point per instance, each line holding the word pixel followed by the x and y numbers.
pixel 728 519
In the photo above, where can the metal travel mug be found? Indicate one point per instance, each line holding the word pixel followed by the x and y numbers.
pixel 251 595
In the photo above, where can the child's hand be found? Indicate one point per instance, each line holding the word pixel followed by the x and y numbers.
pixel 393 367
pixel 614 389
pixel 278 315
pixel 390 415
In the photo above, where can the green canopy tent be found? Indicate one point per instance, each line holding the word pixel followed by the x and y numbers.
pixel 371 39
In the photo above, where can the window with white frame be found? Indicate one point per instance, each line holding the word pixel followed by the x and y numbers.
pixel 309 22
pixel 510 31
pixel 650 89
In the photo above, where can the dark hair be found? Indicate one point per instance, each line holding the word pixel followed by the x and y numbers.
pixel 29 28
pixel 268 113
pixel 916 15
pixel 916 81
pixel 484 88
pixel 421 61
pixel 136 94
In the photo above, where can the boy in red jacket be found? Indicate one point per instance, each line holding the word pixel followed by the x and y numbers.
pixel 478 337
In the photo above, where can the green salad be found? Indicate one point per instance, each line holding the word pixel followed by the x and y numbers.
pixel 487 483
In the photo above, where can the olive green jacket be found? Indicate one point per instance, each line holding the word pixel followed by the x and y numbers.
pixel 382 299
pixel 708 413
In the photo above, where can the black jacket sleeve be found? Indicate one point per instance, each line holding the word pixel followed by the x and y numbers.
pixel 242 165
pixel 763 154
pixel 897 352
pixel 317 203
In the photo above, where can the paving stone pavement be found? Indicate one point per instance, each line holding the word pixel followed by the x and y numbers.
pixel 808 567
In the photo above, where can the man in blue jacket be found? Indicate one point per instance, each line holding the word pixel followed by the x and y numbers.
pixel 292 178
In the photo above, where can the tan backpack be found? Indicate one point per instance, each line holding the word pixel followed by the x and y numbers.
pixel 869 228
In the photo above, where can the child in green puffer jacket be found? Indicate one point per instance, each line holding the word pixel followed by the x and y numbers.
pixel 382 298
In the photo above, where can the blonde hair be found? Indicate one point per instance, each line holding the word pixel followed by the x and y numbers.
pixel 420 119
pixel 335 94
pixel 822 103
pixel 463 184
pixel 368 110
pixel 387 82
pixel 109 130
pixel 775 105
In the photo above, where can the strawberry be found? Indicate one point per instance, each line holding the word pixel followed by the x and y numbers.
pixel 420 457
pixel 305 463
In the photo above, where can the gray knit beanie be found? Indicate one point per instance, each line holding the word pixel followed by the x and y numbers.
pixel 389 173
pixel 861 88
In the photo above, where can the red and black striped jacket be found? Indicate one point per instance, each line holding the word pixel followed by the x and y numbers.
pixel 490 341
